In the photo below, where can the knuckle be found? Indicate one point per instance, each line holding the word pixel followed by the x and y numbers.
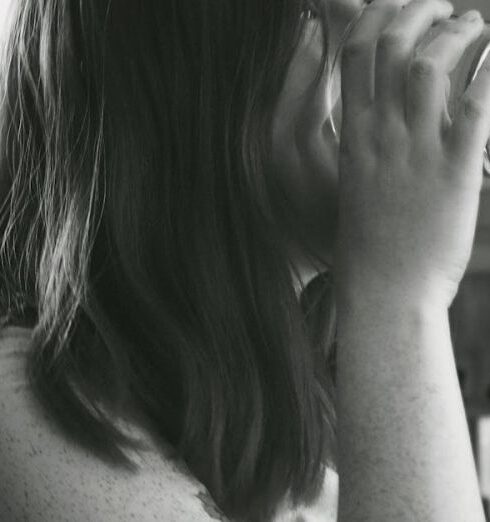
pixel 472 109
pixel 433 5
pixel 454 27
pixel 423 3
pixel 390 40
pixel 353 49
pixel 423 68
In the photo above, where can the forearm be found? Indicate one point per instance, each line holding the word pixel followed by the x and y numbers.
pixel 404 447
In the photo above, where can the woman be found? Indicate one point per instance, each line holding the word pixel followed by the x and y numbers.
pixel 171 183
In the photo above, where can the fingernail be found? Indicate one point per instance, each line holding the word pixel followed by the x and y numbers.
pixel 472 16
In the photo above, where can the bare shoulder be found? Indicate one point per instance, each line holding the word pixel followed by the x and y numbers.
pixel 43 476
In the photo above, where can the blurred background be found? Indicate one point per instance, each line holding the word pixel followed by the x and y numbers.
pixel 469 314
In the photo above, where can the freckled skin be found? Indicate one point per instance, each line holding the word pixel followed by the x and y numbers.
pixel 45 477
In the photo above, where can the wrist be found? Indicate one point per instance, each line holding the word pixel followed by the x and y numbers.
pixel 399 284
pixel 391 318
pixel 388 296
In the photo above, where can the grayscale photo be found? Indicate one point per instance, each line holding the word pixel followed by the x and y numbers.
pixel 245 260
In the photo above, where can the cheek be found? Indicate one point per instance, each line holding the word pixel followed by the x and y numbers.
pixel 299 98
pixel 304 146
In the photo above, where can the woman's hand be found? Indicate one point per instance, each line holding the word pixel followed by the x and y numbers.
pixel 409 176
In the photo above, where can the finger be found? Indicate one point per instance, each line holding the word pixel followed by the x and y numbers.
pixel 426 94
pixel 458 33
pixel 470 131
pixel 357 64
pixel 426 98
pixel 395 49
pixel 447 49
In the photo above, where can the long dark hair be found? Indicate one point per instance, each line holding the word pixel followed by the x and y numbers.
pixel 138 239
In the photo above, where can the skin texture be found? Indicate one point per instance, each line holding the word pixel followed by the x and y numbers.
pixel 408 194
pixel 410 177
pixel 305 148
